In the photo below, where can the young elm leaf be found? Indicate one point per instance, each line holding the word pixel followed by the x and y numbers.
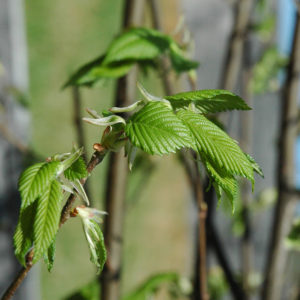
pixel 216 145
pixel 35 179
pixel 46 219
pixel 77 170
pixel 208 101
pixel 49 256
pixel 157 130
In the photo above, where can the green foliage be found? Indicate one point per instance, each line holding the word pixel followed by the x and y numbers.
pixel 91 291
pixel 220 154
pixel 208 101
pixel 40 188
pixel 176 285
pixel 46 220
pixel 35 179
pixel 217 284
pixel 149 287
pixel 23 237
pixel 157 130
pixel 292 241
pixel 77 170
pixel 136 45
pixel 164 125
pixel 215 145
pixel 221 180
pixel 49 256
pixel 265 72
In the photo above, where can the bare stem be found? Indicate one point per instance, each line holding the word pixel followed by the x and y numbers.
pixel 96 158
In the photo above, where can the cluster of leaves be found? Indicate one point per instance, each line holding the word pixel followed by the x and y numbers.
pixel 141 46
pixel 292 241
pixel 265 72
pixel 165 125
pixel 42 187
pixel 177 287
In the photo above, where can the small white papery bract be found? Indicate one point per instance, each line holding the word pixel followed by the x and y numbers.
pixel 88 213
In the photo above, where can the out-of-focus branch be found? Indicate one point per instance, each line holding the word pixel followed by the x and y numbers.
pixel 115 194
pixel 284 210
pixel 234 55
pixel 246 134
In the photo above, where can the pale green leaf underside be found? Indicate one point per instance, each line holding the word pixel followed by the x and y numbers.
pixel 208 101
pixel 46 220
pixel 77 170
pixel 96 244
pixel 216 145
pixel 157 130
pixel 34 179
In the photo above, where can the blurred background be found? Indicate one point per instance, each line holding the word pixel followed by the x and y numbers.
pixel 242 45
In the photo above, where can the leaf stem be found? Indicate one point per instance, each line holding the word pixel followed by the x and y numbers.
pixel 96 159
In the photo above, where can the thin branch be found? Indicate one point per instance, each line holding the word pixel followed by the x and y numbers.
pixel 96 159
pixel 156 22
pixel 232 66
pixel 246 133
pixel 284 210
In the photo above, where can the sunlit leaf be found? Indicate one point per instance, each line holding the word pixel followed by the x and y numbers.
pixel 157 130
pixel 208 101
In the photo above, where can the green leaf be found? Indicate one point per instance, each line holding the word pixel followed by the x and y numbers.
pixel 95 239
pixel 157 130
pixel 179 62
pixel 82 72
pixel 255 165
pixel 292 241
pixel 137 44
pixel 46 221
pixel 77 170
pixel 150 286
pixel 23 237
pixel 216 146
pixel 104 71
pixel 223 180
pixel 264 76
pixel 208 101
pixel 49 256
pixel 91 291
pixel 35 179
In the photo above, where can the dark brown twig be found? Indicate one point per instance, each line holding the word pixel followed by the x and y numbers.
pixel 96 158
